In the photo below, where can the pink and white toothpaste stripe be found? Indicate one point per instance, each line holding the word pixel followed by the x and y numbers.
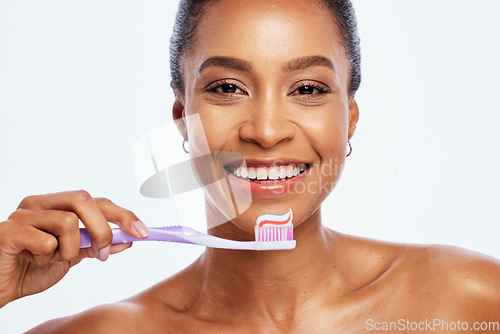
pixel 271 227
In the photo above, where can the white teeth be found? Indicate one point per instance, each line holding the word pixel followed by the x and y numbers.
pixel 251 173
pixel 269 173
pixel 282 172
pixel 262 173
pixel 274 173
pixel 244 172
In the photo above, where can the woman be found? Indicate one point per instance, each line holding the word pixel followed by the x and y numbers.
pixel 275 81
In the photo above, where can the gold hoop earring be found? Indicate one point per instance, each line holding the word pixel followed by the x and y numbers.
pixel 184 144
pixel 350 149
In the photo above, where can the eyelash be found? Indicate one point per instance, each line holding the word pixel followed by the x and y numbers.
pixel 321 88
pixel 218 84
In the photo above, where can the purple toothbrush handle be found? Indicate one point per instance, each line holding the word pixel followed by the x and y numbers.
pixel 156 234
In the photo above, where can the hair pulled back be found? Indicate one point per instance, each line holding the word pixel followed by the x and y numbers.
pixel 190 13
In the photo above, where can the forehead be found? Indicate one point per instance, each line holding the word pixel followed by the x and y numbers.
pixel 268 30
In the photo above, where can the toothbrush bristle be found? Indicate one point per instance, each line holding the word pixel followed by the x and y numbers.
pixel 273 233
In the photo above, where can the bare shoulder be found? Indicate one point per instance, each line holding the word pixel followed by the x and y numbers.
pixel 440 281
pixel 109 318
pixel 159 309
pixel 467 282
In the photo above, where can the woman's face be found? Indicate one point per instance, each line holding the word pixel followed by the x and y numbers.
pixel 269 79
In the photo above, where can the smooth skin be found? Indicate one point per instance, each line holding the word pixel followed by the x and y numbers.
pixel 331 282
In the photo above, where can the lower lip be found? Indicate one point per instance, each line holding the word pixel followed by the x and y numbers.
pixel 275 189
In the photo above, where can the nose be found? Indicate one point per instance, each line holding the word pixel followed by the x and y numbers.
pixel 268 124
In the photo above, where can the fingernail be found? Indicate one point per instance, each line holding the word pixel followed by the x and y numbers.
pixel 104 253
pixel 141 229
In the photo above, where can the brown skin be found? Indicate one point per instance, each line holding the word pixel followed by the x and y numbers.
pixel 331 282
pixel 40 241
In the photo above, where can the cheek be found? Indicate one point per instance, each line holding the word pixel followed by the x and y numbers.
pixel 327 130
pixel 216 126
pixel 196 131
pixel 326 133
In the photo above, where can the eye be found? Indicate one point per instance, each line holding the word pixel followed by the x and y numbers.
pixel 307 90
pixel 224 87
pixel 310 88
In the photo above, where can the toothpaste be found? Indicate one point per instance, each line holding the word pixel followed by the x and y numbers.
pixel 270 227
pixel 272 220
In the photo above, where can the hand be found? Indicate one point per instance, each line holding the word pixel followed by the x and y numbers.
pixel 40 241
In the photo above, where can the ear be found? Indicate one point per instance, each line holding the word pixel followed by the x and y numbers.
pixel 179 114
pixel 353 117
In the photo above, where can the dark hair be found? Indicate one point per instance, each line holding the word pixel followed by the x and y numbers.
pixel 191 11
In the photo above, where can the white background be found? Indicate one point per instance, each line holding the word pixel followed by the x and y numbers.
pixel 80 81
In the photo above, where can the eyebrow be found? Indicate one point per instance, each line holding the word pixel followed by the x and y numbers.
pixel 303 63
pixel 229 62
pixel 245 66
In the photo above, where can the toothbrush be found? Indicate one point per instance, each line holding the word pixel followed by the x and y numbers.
pixel 272 232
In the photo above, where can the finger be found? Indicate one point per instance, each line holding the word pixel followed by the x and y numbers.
pixel 122 217
pixel 61 224
pixel 81 203
pixel 118 248
pixel 88 253
pixel 35 245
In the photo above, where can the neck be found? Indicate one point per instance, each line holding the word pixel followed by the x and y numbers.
pixel 270 284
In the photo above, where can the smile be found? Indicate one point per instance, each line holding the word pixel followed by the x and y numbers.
pixel 268 174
